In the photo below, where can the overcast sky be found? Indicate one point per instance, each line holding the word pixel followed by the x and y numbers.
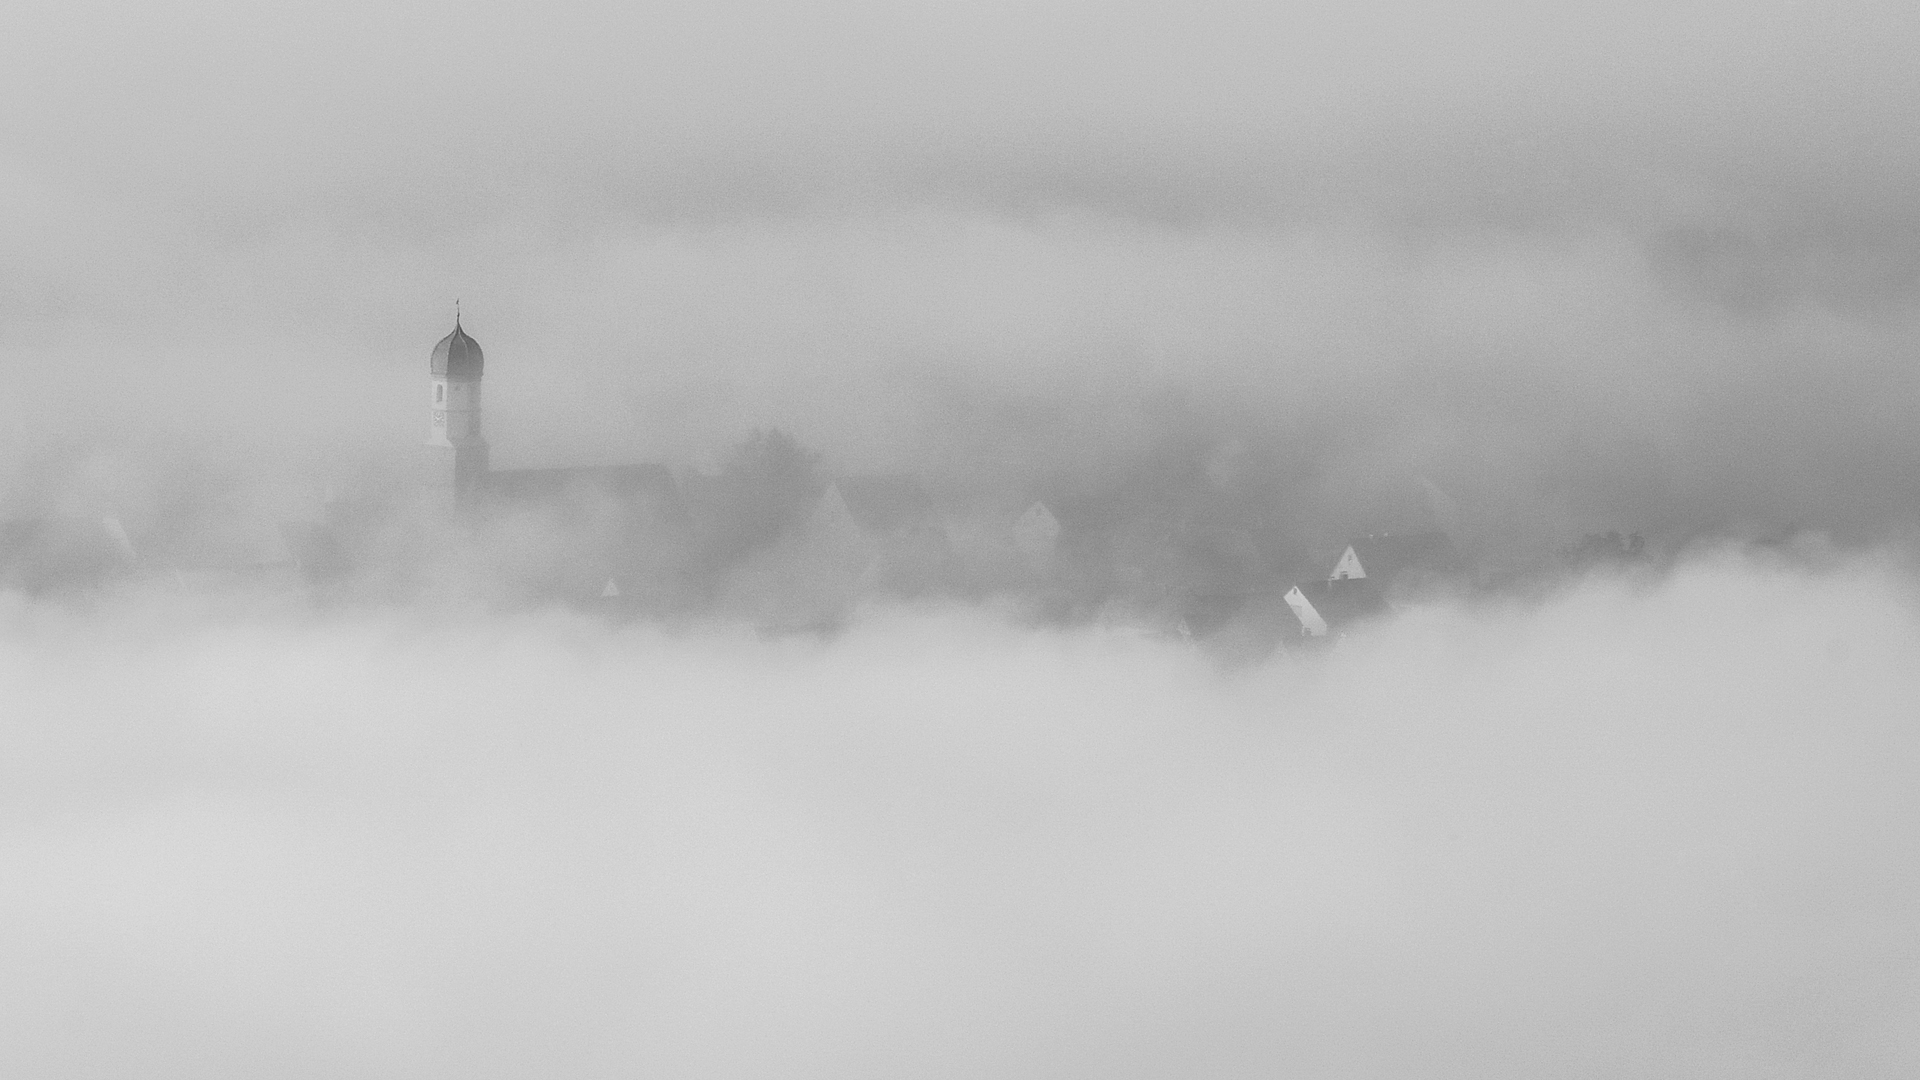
pixel 1641 264
pixel 1587 266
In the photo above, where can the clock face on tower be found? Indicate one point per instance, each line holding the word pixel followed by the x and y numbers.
pixel 440 417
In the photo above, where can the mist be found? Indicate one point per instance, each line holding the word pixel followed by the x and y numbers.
pixel 1629 832
pixel 297 779
pixel 1645 266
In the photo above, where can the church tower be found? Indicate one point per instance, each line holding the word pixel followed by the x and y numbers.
pixel 456 451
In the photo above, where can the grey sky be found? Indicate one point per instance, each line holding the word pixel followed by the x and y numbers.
pixel 1661 235
pixel 1645 265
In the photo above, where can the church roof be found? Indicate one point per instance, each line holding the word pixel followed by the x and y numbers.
pixel 457 356
pixel 649 485
pixel 620 480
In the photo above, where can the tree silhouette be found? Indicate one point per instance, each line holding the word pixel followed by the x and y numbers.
pixel 766 484
pixel 1605 549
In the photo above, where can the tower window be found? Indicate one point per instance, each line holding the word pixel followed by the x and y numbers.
pixel 439 393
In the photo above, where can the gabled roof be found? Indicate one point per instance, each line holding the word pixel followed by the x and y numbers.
pixel 1341 603
pixel 1037 520
pixel 1207 612
pixel 612 479
pixel 889 505
pixel 1385 557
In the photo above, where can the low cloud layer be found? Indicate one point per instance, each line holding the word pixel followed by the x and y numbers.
pixel 1634 831
pixel 1632 266
pixel 1635 268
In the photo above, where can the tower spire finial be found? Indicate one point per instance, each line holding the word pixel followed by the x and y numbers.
pixel 456 311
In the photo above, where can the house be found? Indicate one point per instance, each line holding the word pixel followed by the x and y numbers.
pixel 1369 575
pixel 1036 536
pixel 885 527
pixel 1392 560
pixel 1328 608
pixel 589 534
pixel 611 535
pixel 864 536
pixel 1248 630
pixel 888 509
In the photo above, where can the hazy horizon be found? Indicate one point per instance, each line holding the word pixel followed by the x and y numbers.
pixel 1636 267
pixel 1277 270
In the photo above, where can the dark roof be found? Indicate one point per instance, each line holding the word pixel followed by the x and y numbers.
pixel 1207 612
pixel 458 356
pixel 1387 556
pixel 889 505
pixel 1346 601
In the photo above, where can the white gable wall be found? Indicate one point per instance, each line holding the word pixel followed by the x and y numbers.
pixel 1303 609
pixel 1348 566
pixel 1036 533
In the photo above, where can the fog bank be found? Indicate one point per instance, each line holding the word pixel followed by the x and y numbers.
pixel 1635 831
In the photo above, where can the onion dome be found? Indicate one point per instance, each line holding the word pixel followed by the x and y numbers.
pixel 457 356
